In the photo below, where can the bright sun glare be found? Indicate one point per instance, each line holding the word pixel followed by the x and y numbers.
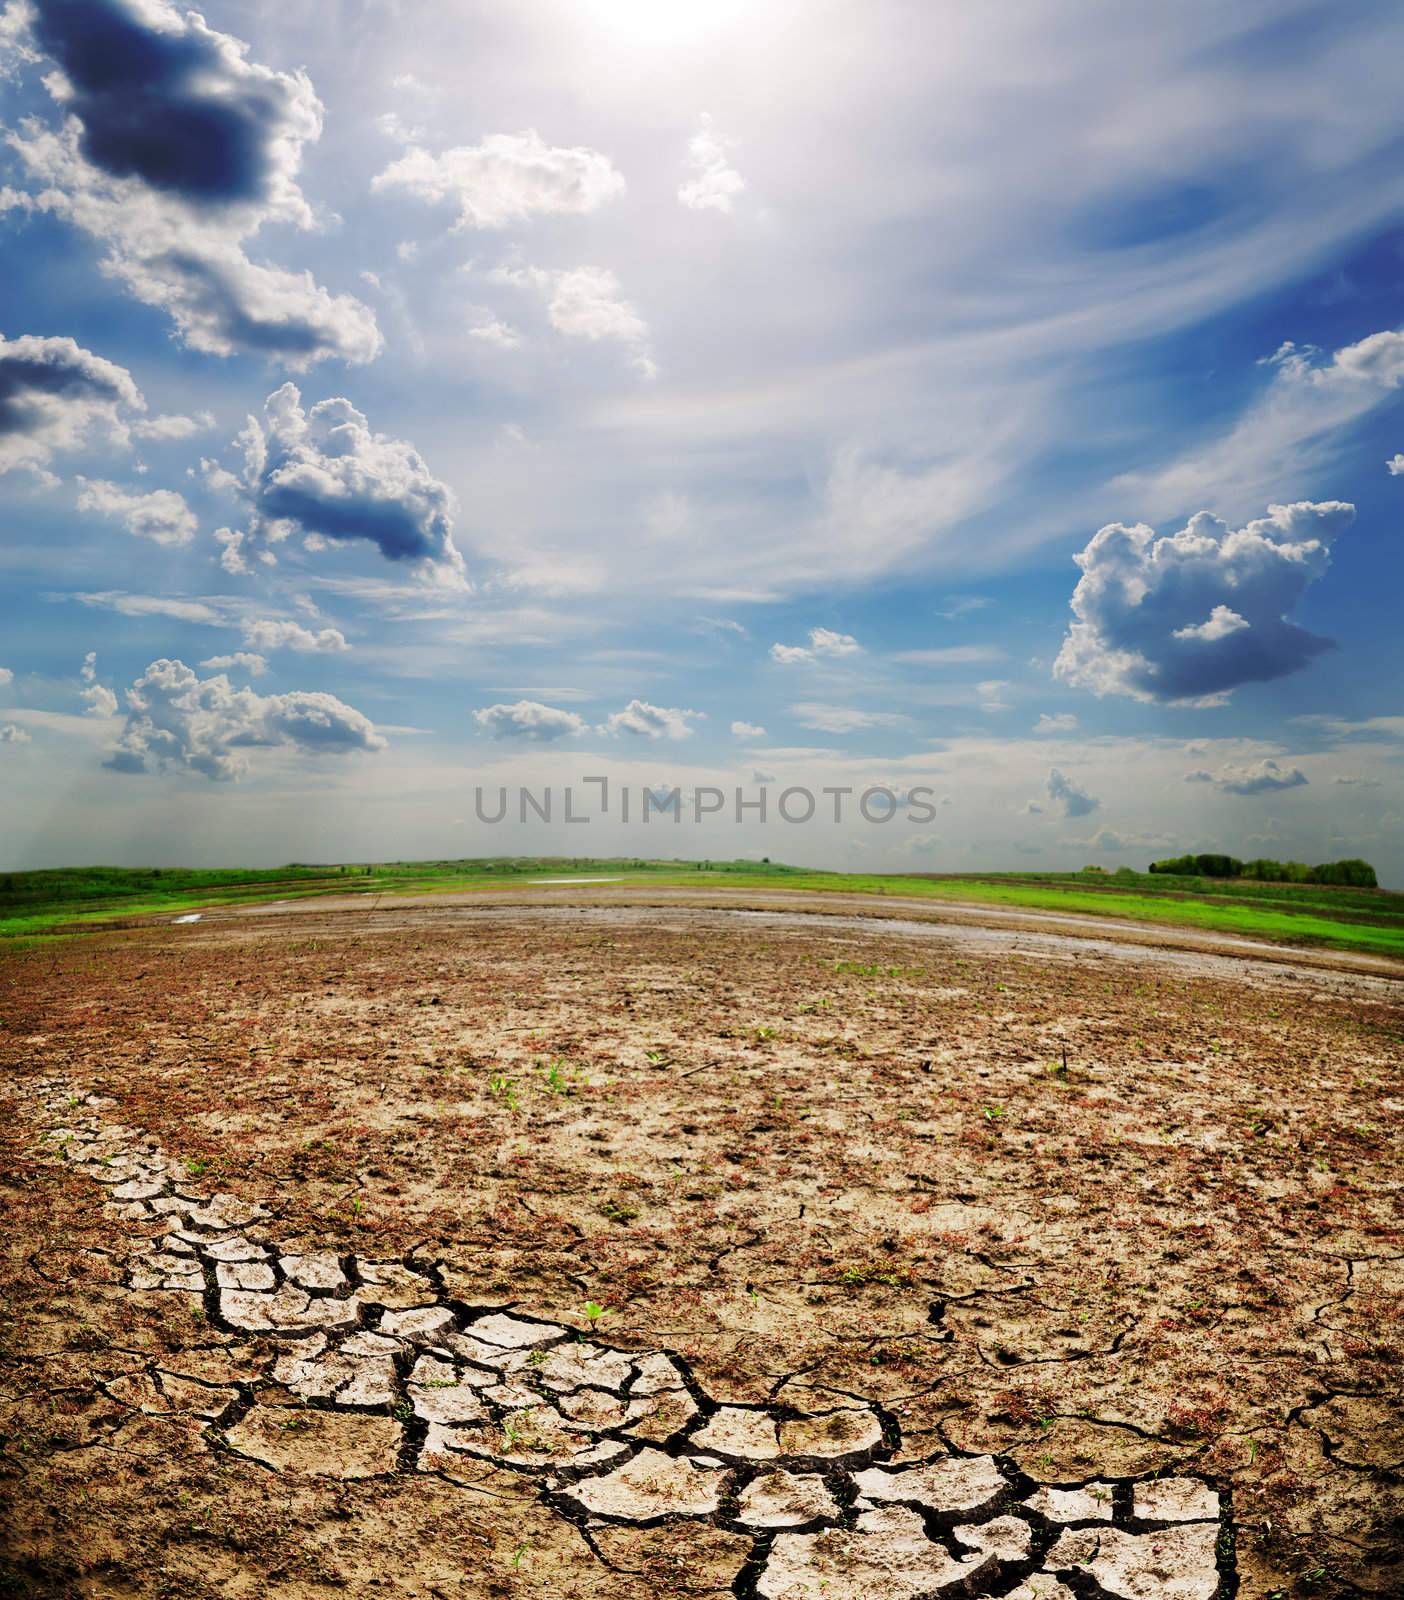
pixel 662 22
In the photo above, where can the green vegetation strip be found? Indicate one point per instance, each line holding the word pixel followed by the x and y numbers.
pixel 33 904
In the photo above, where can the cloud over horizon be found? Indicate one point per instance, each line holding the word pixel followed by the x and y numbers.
pixel 177 721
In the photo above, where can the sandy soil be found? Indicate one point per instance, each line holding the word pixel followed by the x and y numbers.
pixel 933 1258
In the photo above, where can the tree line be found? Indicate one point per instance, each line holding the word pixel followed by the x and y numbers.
pixel 1352 873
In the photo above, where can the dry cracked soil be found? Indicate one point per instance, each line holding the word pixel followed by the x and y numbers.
pixel 595 1252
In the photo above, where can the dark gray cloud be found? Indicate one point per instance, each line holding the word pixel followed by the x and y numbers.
pixel 323 474
pixel 177 721
pixel 1075 801
pixel 175 148
pixel 164 99
pixel 1194 615
pixel 50 391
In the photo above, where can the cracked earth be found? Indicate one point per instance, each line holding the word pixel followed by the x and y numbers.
pixel 620 1253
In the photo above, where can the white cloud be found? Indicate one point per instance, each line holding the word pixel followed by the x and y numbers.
pixel 747 730
pixel 267 634
pixel 100 700
pixel 529 719
pixel 173 208
pixel 1075 801
pixel 1063 722
pixel 1257 777
pixel 714 183
pixel 52 391
pixel 160 515
pixel 241 661
pixel 823 644
pixel 961 605
pixel 1284 433
pixel 324 474
pixel 1194 615
pixel 174 427
pixel 646 721
pixel 586 303
pixel 843 719
pixel 151 605
pixel 6 677
pixel 1395 466
pixel 509 177
pixel 491 329
pixel 954 655
pixel 180 722
pixel 1350 781
pixel 10 734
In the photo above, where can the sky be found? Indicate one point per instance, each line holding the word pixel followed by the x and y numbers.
pixel 993 410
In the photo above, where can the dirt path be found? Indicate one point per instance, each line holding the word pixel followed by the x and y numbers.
pixel 459 1249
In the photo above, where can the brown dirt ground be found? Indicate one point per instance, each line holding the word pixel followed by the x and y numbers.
pixel 1101 1215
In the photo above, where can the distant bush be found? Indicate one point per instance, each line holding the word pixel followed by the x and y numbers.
pixel 1352 874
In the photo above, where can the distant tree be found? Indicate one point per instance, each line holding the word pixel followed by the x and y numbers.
pixel 1351 873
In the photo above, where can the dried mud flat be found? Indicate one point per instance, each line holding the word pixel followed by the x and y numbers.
pixel 628 1252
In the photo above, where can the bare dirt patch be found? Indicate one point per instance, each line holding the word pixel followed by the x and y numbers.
pixel 620 1253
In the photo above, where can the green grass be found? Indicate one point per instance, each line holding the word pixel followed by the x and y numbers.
pixel 35 904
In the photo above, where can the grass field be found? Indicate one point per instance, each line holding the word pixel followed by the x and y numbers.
pixel 42 904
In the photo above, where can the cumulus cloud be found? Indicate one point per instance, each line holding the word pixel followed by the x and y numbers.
pixel 238 661
pixel 175 149
pixel 1064 722
pixel 714 183
pixel 100 701
pixel 10 734
pixel 646 721
pixel 6 676
pixel 747 730
pixel 1196 614
pixel 587 303
pixel 160 515
pixel 266 634
pixel 178 721
pixel 165 99
pixel 323 473
pixel 823 644
pixel 509 177
pixel 1075 801
pixel 529 719
pixel 1395 466
pixel 52 391
pixel 1256 777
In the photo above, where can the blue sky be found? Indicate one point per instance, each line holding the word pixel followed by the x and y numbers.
pixel 399 398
